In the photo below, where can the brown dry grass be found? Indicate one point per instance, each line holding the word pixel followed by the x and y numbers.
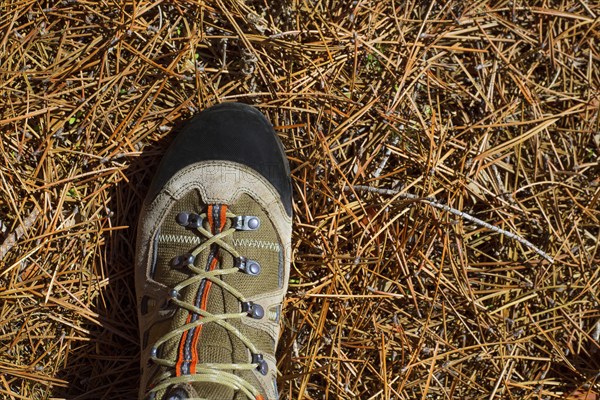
pixel 490 107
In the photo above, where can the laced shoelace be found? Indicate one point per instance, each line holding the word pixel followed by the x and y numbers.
pixel 198 316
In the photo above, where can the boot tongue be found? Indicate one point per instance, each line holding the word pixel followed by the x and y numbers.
pixel 211 353
pixel 214 344
pixel 218 345
pixel 214 391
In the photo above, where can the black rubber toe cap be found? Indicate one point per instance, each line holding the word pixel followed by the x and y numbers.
pixel 232 132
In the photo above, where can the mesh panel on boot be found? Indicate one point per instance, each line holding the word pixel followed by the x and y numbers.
pixel 216 344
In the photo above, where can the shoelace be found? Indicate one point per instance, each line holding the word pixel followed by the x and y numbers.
pixel 198 316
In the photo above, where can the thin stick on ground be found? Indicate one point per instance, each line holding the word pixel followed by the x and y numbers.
pixel 14 237
pixel 461 214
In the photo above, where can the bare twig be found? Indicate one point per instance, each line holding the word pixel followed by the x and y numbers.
pixel 12 239
pixel 454 211
pixel 386 157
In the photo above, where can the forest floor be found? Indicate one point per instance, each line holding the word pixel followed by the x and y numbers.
pixel 407 125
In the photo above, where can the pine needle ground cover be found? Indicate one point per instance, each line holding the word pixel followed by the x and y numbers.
pixel 386 109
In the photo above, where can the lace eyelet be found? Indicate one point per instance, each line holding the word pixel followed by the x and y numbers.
pixel 183 260
pixel 245 223
pixel 182 218
pixel 262 367
pixel 250 267
pixel 254 311
pixel 189 220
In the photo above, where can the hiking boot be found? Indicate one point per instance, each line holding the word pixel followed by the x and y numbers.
pixel 212 260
